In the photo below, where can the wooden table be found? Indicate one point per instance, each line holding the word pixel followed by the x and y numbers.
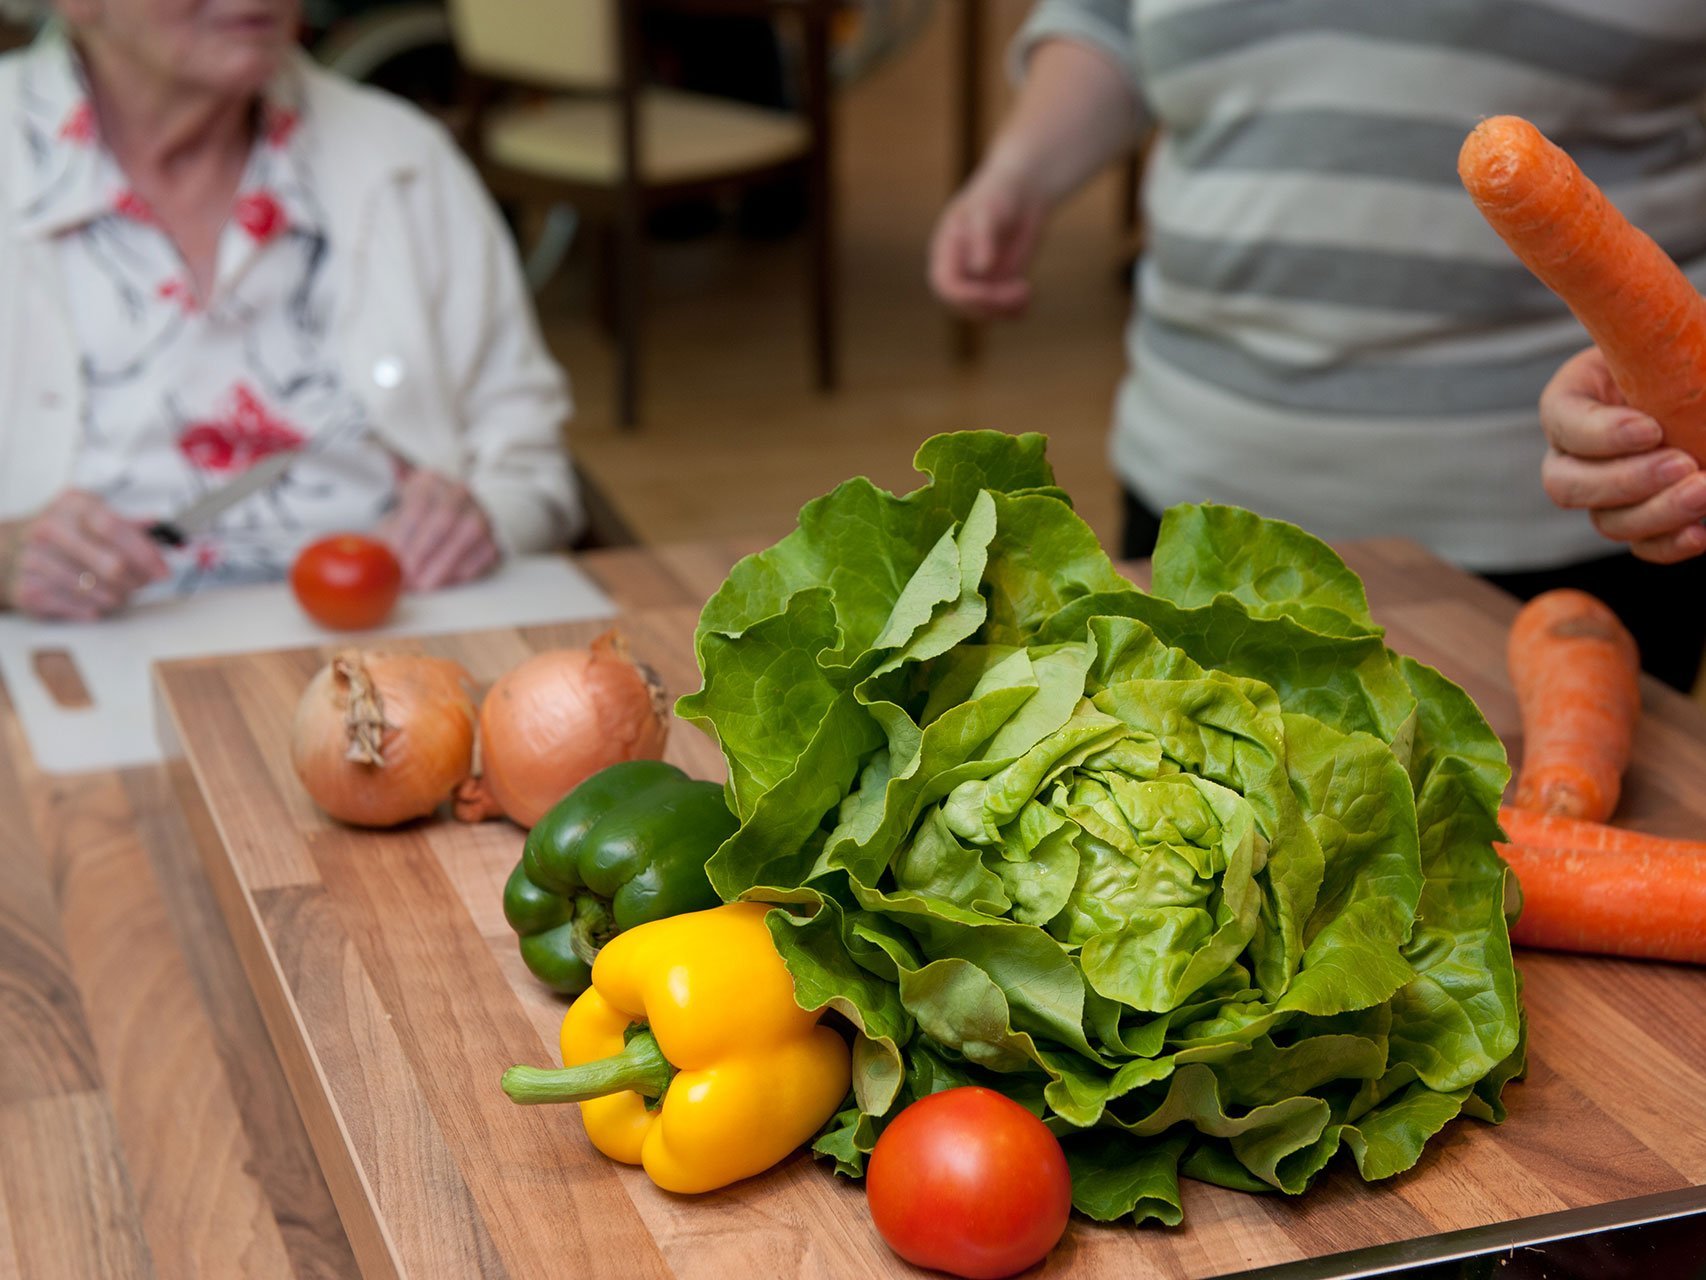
pixel 148 1127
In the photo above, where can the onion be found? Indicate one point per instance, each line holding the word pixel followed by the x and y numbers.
pixel 557 719
pixel 380 738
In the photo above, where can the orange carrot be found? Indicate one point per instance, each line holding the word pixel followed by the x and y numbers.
pixel 1544 831
pixel 1635 302
pixel 1577 679
pixel 1620 893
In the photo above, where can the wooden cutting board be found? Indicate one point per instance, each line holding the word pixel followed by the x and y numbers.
pixel 391 986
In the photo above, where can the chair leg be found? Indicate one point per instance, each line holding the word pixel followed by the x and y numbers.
pixel 825 335
pixel 604 267
pixel 820 181
pixel 630 295
pixel 966 335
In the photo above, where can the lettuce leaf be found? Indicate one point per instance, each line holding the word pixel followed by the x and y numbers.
pixel 1203 875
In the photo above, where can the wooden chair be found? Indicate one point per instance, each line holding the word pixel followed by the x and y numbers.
pixel 559 113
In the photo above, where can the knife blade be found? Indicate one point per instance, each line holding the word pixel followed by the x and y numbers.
pixel 175 530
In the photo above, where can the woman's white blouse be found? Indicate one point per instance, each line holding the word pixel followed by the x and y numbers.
pixel 367 311
pixel 185 392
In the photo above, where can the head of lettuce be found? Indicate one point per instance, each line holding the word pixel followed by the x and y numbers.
pixel 1202 875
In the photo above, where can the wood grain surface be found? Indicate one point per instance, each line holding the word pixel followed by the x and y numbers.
pixel 390 984
pixel 145 1129
pixel 147 1125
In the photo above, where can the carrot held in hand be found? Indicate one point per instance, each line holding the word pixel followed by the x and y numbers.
pixel 1589 887
pixel 1644 314
pixel 1576 674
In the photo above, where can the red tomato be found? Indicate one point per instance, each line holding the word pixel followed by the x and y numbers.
pixel 346 582
pixel 967 1181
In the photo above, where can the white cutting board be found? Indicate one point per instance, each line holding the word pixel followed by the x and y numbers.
pixel 113 657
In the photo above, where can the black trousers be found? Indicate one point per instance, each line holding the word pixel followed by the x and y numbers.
pixel 1663 605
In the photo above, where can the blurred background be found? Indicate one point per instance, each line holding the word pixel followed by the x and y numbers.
pixel 770 240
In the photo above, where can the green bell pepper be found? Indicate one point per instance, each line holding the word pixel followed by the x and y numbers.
pixel 626 846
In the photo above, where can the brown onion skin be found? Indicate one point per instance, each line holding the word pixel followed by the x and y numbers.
pixel 558 718
pixel 428 745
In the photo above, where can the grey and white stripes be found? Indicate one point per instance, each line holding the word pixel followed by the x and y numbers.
pixel 1326 329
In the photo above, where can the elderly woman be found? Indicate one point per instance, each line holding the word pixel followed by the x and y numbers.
pixel 212 251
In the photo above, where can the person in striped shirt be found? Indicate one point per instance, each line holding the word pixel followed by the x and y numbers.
pixel 1326 330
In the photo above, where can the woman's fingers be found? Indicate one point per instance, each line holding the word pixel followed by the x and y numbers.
pixel 1584 414
pixel 461 555
pixel 1593 429
pixel 402 528
pixel 53 586
pixel 1591 484
pixel 142 558
pixel 1670 548
pixel 479 560
pixel 1668 512
pixel 422 521
pixel 436 530
pixel 80 559
pixel 62 529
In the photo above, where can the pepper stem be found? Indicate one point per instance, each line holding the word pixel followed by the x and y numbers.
pixel 593 926
pixel 640 1068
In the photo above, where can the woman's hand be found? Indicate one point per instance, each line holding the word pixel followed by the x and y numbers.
pixel 1607 458
pixel 78 559
pixel 439 532
pixel 981 251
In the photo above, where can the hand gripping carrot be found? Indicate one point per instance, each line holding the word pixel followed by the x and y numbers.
pixel 1576 674
pixel 1644 314
pixel 1594 888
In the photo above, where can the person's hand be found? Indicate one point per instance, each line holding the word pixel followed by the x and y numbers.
pixel 439 532
pixel 78 559
pixel 981 251
pixel 1608 459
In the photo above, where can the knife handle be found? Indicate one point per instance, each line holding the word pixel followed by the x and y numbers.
pixel 166 533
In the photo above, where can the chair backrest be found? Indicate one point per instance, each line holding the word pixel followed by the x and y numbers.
pixel 559 44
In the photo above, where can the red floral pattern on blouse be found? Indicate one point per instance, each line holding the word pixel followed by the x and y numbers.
pixel 247 433
pixel 127 204
pixel 179 292
pixel 79 124
pixel 260 214
pixel 279 125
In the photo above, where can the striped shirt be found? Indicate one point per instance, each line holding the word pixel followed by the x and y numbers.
pixel 1327 331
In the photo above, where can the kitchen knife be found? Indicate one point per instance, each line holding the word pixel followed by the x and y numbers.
pixel 174 531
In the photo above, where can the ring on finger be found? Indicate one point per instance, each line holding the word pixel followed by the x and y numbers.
pixel 86 582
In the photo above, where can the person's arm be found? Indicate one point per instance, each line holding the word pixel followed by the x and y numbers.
pixel 1077 110
pixel 1609 459
pixel 516 492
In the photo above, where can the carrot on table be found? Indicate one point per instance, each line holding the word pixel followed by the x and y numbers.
pixel 1576 673
pixel 1546 831
pixel 1644 897
pixel 1644 314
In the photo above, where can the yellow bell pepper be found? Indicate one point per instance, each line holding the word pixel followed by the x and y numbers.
pixel 696 1010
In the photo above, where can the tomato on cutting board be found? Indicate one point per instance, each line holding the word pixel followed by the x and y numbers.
pixel 347 582
pixel 969 1182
